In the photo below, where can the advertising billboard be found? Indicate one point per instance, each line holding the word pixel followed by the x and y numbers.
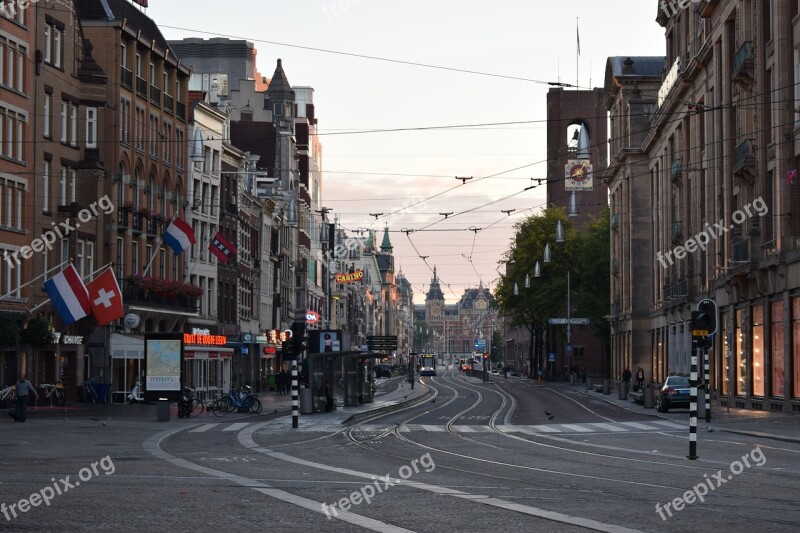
pixel 163 362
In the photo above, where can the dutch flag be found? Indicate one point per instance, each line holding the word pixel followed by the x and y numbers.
pixel 179 236
pixel 69 295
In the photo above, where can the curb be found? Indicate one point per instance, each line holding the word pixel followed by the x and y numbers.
pixel 760 435
pixel 388 408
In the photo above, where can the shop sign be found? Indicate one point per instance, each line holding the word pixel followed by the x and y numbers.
pixel 312 317
pixel 67 339
pixel 358 275
pixel 204 339
pixel 261 339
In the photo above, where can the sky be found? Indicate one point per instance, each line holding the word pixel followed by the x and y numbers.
pixel 523 43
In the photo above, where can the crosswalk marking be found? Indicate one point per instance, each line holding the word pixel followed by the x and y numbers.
pixel 638 425
pixel 608 427
pixel 579 429
pixel 308 424
pixel 204 427
pixel 237 426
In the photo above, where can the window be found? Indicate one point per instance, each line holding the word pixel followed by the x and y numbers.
pixel 73 124
pixel 120 258
pixel 162 264
pixel 12 131
pixel 778 335
pixel 13 58
pixel 46 186
pixel 2 61
pixel 166 82
pixel 758 350
pixel 64 251
pixel 153 135
pixel 180 156
pixel 796 347
pixel 797 87
pixel 167 138
pixel 125 119
pixel 57 47
pixel 139 141
pixel 63 196
pixel 48 104
pixel 152 74
pixel 741 356
pixel 63 121
pixel 48 43
pixel 91 127
pixel 138 65
pixel 134 257
pixel 278 109
pixel 123 56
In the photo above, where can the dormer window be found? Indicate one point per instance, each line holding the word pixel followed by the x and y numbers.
pixel 278 110
pixel 288 110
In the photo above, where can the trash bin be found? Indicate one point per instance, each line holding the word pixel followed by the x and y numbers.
pixel 163 410
pixel 589 384
pixel 306 401
pixel 623 391
pixel 647 397
pixel 606 386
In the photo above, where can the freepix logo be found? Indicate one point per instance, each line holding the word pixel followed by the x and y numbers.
pixel 701 240
pixel 45 243
pixel 671 8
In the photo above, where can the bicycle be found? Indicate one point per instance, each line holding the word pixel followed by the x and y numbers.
pixel 55 393
pixel 89 392
pixel 217 407
pixel 244 399
pixel 7 394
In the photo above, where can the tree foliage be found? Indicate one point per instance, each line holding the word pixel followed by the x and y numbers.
pixel 9 335
pixel 37 332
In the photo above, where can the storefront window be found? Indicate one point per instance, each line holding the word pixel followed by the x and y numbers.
pixel 758 350
pixel 725 360
pixel 741 357
pixel 776 343
pixel 796 346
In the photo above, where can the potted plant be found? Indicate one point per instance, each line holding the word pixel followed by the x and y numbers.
pixel 144 212
pixel 127 205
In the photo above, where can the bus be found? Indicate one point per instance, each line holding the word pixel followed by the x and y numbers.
pixel 427 365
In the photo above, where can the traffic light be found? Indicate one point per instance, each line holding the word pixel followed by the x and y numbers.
pixel 704 323
pixel 298 338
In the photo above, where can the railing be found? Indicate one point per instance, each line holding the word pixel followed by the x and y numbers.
pixel 122 219
pixel 155 95
pixel 152 227
pixel 168 103
pixel 137 221
pixel 131 294
pixel 743 58
pixel 126 77
pixel 677 290
pixel 141 86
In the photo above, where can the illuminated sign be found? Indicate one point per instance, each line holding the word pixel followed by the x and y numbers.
pixel 578 175
pixel 312 317
pixel 202 339
pixel 358 275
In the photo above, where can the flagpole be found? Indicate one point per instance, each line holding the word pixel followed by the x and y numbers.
pixel 155 252
pixel 578 55
pixel 6 295
pixel 31 310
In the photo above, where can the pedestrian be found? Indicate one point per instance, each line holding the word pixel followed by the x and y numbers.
pixel 640 379
pixel 626 378
pixel 282 382
pixel 583 374
pixel 24 387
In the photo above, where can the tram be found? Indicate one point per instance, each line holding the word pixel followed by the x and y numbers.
pixel 427 365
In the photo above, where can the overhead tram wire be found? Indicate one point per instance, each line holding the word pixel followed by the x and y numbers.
pixel 376 58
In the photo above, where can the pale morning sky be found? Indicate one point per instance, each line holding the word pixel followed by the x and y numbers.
pixel 382 172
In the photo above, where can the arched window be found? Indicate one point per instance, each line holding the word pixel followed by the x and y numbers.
pixel 136 177
pixel 151 191
pixel 163 196
pixel 121 185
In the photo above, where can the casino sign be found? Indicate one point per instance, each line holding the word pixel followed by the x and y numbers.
pixel 358 275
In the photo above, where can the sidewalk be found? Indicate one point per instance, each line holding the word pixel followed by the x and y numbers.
pixel 762 424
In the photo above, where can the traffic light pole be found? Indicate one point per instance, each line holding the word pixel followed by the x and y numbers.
pixel 696 352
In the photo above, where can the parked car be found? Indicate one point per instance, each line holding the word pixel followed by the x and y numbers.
pixel 673 393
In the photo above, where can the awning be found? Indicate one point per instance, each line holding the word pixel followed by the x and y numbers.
pixel 126 346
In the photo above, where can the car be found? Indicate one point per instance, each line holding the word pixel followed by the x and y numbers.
pixel 673 393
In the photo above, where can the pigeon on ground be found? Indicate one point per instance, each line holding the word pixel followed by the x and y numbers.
pixel 550 416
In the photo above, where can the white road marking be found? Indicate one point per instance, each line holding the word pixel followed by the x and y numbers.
pixel 204 427
pixel 608 427
pixel 671 424
pixel 638 425
pixel 546 429
pixel 432 428
pixel 237 426
pixel 576 427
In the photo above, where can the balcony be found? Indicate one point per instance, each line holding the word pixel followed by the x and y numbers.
pixel 152 227
pixel 168 103
pixel 676 291
pixel 126 77
pixel 155 95
pixel 744 166
pixel 122 220
pixel 136 219
pixel 141 86
pixel 743 61
pixel 180 110
pixel 158 293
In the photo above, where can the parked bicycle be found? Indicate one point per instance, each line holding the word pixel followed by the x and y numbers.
pixel 243 399
pixel 188 405
pixel 56 394
pixel 7 395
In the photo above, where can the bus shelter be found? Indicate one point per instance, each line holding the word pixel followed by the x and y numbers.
pixel 340 379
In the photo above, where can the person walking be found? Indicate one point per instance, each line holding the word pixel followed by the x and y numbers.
pixel 626 379
pixel 640 378
pixel 24 387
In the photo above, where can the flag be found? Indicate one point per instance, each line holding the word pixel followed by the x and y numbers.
pixel 69 295
pixel 179 236
pixel 222 248
pixel 105 298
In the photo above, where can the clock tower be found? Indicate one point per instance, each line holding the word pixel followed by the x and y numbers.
pixel 434 311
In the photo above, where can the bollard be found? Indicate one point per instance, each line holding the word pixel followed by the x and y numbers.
pixel 589 385
pixel 606 386
pixel 623 391
pixel 647 398
pixel 572 378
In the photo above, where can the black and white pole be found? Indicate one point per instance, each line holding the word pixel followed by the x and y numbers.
pixel 295 401
pixel 706 385
pixel 696 351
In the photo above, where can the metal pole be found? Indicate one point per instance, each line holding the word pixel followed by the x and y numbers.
pixel 707 386
pixel 34 308
pixel 9 293
pixel 295 402
pixel 696 351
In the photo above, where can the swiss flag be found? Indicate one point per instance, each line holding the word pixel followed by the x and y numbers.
pixel 105 298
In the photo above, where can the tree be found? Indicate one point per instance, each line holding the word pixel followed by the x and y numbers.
pixel 37 332
pixel 8 333
pixel 544 297
pixel 498 348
